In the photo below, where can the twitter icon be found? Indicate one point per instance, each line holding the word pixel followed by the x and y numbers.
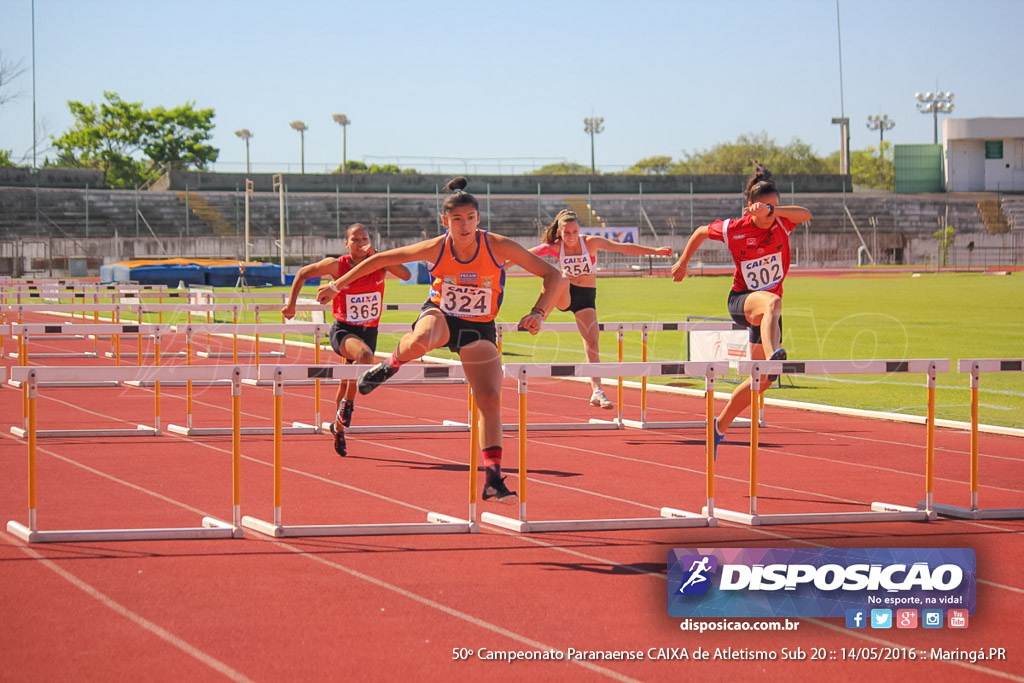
pixel 881 618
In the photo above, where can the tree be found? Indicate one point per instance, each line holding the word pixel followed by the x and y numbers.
pixel 563 168
pixel 734 157
pixel 656 165
pixel 871 167
pixel 945 238
pixel 353 166
pixel 8 72
pixel 113 135
pixel 5 158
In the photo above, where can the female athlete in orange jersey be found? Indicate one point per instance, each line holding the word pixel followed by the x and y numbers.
pixel 356 315
pixel 577 257
pixel 466 292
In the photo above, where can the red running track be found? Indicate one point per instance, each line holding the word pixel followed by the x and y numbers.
pixel 381 608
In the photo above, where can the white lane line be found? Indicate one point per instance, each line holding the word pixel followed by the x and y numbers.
pixel 138 619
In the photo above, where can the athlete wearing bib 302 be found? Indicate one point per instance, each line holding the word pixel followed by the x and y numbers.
pixel 468 293
pixel 759 244
pixel 761 258
pixel 577 257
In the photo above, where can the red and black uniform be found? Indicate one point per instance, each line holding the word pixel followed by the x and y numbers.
pixel 761 258
pixel 358 307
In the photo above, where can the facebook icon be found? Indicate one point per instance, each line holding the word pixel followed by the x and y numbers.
pixel 856 618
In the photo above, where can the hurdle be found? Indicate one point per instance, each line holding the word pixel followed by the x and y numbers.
pixel 436 523
pixel 297 427
pixel 976 367
pixel 212 527
pixel 645 328
pixel 69 310
pixel 671 518
pixel 879 512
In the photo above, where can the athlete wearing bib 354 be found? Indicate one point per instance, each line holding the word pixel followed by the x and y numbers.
pixel 577 257
pixel 759 244
pixel 356 312
pixel 464 298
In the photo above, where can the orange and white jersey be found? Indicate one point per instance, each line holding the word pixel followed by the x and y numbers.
pixel 470 290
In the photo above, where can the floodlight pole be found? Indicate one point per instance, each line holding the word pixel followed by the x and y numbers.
pixel 248 193
pixel 279 188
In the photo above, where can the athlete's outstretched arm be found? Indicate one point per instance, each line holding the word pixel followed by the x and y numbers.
pixel 598 242
pixel 793 214
pixel 327 266
pixel 554 282
pixel 696 239
pixel 427 249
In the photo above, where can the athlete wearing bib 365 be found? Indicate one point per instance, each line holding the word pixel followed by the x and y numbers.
pixel 356 313
pixel 577 257
pixel 759 244
pixel 464 299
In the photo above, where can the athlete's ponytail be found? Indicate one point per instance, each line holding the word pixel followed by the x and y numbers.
pixel 551 232
pixel 459 196
pixel 759 184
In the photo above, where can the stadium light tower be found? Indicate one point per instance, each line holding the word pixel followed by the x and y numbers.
pixel 302 128
pixel 245 135
pixel 593 125
pixel 935 103
pixel 881 124
pixel 344 122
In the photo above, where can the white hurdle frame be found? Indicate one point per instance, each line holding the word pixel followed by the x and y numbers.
pixel 671 518
pixel 976 366
pixel 436 523
pixel 879 512
pixel 212 527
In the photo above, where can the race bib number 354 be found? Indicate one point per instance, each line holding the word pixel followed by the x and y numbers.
pixel 762 273
pixel 465 301
pixel 362 308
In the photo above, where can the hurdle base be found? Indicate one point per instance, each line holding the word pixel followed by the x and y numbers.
pixel 296 428
pixel 68 385
pixel 544 426
pixel 222 530
pixel 140 430
pixel 247 354
pixel 708 519
pixel 335 382
pixel 169 354
pixel 81 354
pixel 436 524
pixel 887 515
pixel 974 513
pixel 177 383
pixel 682 424
pixel 527 527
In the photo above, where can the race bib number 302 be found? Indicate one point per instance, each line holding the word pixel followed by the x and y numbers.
pixel 362 308
pixel 762 273
pixel 465 301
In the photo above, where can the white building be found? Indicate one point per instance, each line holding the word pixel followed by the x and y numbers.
pixel 985 154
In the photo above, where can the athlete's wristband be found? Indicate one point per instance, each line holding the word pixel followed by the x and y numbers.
pixel 536 311
pixel 333 287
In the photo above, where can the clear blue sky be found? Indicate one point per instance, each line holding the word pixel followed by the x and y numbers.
pixel 515 79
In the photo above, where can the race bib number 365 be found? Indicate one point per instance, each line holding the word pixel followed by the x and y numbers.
pixel 762 273
pixel 465 301
pixel 362 308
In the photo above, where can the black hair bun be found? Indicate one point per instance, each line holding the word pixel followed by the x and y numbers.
pixel 760 172
pixel 456 184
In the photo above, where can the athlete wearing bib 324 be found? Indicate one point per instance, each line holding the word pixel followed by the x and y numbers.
pixel 356 313
pixel 577 257
pixel 759 244
pixel 464 299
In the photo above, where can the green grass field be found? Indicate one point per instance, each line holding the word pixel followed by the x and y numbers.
pixel 892 316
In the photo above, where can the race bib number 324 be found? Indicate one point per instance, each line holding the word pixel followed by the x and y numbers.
pixel 762 273
pixel 465 301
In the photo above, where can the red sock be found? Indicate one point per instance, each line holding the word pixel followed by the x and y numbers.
pixel 492 457
pixel 393 361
